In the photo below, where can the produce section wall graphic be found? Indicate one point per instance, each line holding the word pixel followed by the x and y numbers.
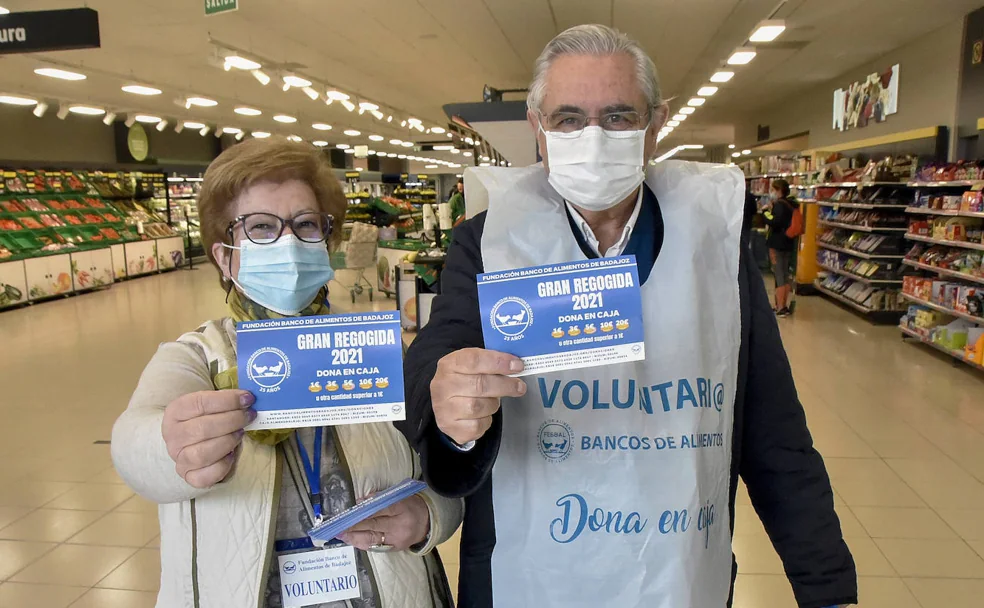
pixel 871 100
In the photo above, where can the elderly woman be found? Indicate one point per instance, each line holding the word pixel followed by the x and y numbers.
pixel 232 502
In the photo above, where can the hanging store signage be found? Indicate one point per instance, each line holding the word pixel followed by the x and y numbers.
pixel 214 7
pixel 38 31
pixel 137 142
pixel 866 101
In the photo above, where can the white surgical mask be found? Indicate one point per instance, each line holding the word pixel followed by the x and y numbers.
pixel 597 170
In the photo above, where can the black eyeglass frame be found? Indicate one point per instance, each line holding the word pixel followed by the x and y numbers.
pixel 329 222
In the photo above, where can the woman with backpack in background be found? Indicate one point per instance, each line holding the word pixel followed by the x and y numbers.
pixel 785 224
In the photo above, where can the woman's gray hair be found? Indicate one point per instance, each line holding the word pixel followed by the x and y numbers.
pixel 597 40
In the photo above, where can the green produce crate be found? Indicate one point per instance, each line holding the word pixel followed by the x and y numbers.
pixel 66 214
pixel 70 234
pixel 25 240
pixel 7 241
pixel 24 218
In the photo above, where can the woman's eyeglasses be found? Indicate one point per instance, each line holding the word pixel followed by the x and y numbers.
pixel 266 228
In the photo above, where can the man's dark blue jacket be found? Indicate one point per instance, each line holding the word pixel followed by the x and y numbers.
pixel 772 449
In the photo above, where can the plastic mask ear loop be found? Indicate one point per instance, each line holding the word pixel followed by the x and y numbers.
pixel 231 279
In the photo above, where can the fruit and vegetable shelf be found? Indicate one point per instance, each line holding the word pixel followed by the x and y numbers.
pixel 46 213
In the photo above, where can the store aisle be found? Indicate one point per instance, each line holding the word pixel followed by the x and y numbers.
pixel 901 428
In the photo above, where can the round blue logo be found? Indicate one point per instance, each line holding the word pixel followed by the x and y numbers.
pixel 555 440
pixel 268 367
pixel 511 317
pixel 290 567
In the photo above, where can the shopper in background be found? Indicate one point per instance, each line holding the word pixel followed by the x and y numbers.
pixel 458 203
pixel 779 217
pixel 231 502
pixel 619 525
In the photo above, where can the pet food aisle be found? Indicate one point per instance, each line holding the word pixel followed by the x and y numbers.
pixel 65 232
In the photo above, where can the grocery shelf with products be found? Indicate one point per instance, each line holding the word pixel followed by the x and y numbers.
pixel 64 232
pixel 182 211
pixel 945 282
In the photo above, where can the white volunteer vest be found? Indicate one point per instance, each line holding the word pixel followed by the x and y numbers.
pixel 611 484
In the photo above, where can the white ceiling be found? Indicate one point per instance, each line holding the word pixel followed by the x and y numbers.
pixel 416 55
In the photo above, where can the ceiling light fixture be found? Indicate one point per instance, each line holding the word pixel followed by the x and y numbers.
pixel 360 169
pixel 129 122
pixel 407 144
pixel 401 156
pixel 696 101
pixel 348 105
pixel 466 154
pixel 403 124
pixel 62 113
pixel 110 117
pixel 194 125
pixel 244 111
pixel 377 114
pixel 455 150
pixel 437 130
pixel 342 146
pixel 687 110
pixel 240 63
pixel 348 150
pixel 260 134
pixel 261 76
pixel 161 126
pixel 430 166
pixel 742 56
pixel 59 74
pixel 3 11
pixel 722 76
pixel 87 110
pixel 293 80
pixel 746 152
pixel 396 142
pixel 311 93
pixel 389 118
pixel 413 121
pixel 731 146
pixel 285 119
pixel 139 89
pixel 320 126
pixel 148 119
pixel 240 136
pixel 444 148
pixel 679 117
pixel 735 154
pixel 352 132
pixel 294 138
pixel 707 91
pixel 231 130
pixel 40 109
pixel 673 123
pixel 367 106
pixel 335 95
pixel 15 100
pixel 767 31
pixel 201 102
pixel 204 131
pixel 677 149
pixel 319 143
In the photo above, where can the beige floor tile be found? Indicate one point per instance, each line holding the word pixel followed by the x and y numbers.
pixel 452 573
pixel 747 522
pixel 887 522
pixel 93 497
pixel 932 558
pixel 116 598
pixel 9 515
pixel 850 526
pixel 108 476
pixel 977 545
pixel 877 493
pixel 21 595
pixel 868 559
pixel 763 590
pixel 969 523
pixel 49 525
pixel 137 504
pixel 70 469
pixel 155 543
pixel 16 555
pixel 947 592
pixel 74 565
pixel 450 549
pixel 756 555
pixel 882 592
pixel 142 572
pixel 941 483
pixel 120 530
pixel 741 495
pixel 32 493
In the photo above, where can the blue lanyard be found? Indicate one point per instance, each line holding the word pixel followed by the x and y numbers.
pixel 313 474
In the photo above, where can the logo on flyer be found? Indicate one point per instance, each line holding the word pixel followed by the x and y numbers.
pixel 290 567
pixel 511 317
pixel 555 440
pixel 268 367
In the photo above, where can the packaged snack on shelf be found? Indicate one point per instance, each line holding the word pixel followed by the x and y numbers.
pixel 974 351
pixel 919 227
pixel 973 201
pixel 969 300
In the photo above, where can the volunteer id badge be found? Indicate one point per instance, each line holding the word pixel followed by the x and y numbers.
pixel 322 370
pixel 565 316
pixel 318 577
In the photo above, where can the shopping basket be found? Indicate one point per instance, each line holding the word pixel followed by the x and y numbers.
pixel 358 255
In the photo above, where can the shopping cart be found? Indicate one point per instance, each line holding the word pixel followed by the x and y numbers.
pixel 358 255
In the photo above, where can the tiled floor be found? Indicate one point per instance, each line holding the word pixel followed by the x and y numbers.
pixel 901 428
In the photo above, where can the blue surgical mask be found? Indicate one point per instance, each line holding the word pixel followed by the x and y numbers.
pixel 284 276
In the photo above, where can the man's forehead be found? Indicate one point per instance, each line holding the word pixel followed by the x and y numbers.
pixel 593 84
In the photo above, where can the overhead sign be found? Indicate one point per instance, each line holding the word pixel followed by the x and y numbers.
pixel 867 101
pixel 137 142
pixel 39 31
pixel 214 7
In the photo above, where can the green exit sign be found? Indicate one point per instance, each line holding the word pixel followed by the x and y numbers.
pixel 214 7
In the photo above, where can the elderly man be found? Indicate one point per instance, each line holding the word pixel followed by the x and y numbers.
pixel 639 509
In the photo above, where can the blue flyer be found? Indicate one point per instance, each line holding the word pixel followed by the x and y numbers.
pixel 565 316
pixel 324 370
pixel 327 530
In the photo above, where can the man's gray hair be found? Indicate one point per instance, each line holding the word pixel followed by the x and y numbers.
pixel 600 41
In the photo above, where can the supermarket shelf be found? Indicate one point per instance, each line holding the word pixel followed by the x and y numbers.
pixel 944 272
pixel 183 197
pixel 842 299
pixel 863 228
pixel 929 239
pixel 951 213
pixel 857 184
pixel 793 174
pixel 942 309
pixel 861 254
pixel 836 204
pixel 956 354
pixel 952 184
pixel 857 277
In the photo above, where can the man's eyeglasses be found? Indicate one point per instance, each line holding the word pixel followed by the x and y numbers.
pixel 266 228
pixel 572 124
